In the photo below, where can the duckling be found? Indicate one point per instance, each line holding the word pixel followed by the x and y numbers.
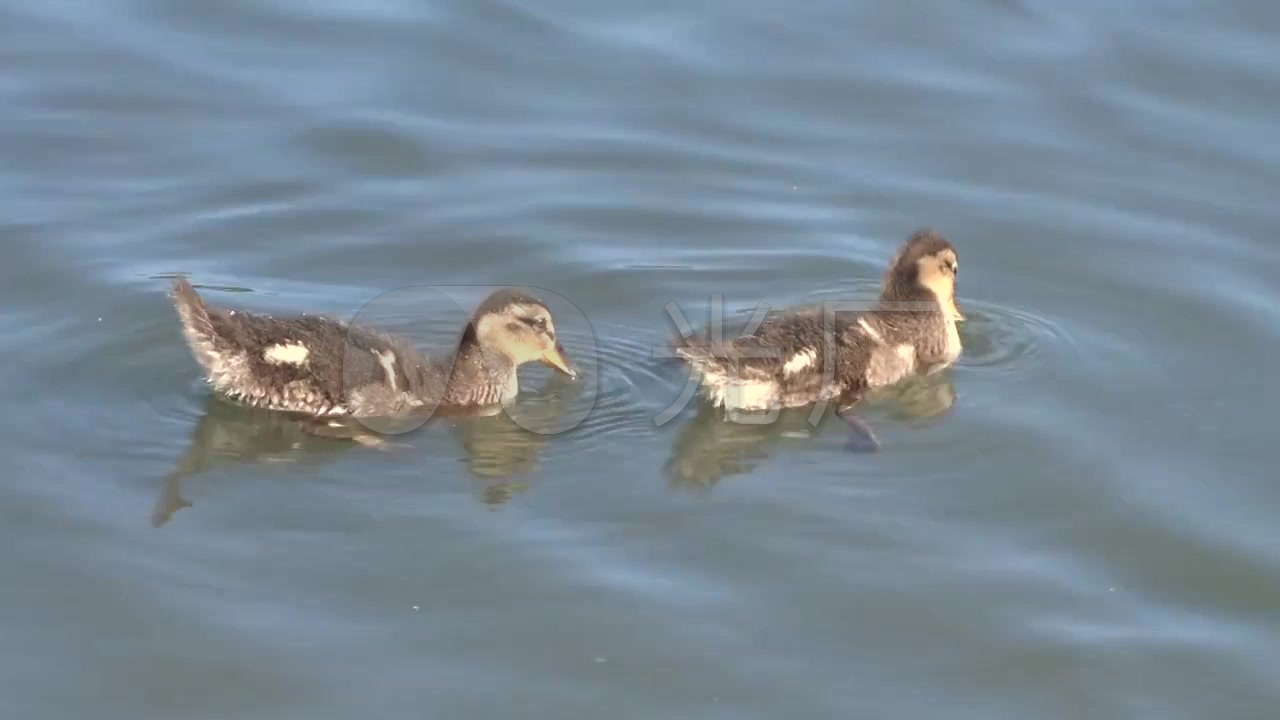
pixel 321 367
pixel 799 357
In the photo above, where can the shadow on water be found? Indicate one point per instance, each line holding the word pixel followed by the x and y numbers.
pixel 711 447
pixel 495 446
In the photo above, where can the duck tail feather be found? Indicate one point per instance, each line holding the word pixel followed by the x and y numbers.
pixel 707 359
pixel 197 322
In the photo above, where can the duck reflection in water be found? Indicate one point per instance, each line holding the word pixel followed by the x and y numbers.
pixel 496 445
pixel 711 446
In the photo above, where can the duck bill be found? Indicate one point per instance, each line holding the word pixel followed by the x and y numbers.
pixel 955 312
pixel 556 359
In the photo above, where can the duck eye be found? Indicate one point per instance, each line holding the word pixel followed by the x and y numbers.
pixel 536 323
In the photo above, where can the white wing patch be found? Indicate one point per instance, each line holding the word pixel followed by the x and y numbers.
pixel 744 396
pixel 388 360
pixel 908 355
pixel 870 331
pixel 286 354
pixel 801 360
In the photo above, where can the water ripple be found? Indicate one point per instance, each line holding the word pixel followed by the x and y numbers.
pixel 631 383
pixel 1006 339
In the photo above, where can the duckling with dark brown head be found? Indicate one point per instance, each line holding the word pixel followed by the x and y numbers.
pixel 320 366
pixel 802 356
pixel 925 269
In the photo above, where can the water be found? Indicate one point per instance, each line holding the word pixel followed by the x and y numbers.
pixel 1076 521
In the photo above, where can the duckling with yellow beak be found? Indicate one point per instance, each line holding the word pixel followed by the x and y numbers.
pixel 324 367
pixel 799 357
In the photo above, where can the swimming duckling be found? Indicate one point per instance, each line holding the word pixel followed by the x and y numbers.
pixel 319 366
pixel 798 357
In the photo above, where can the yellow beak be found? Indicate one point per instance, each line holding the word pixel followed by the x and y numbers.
pixel 555 358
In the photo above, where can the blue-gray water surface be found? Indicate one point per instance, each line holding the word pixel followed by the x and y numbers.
pixel 1076 521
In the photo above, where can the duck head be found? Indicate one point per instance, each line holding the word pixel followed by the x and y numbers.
pixel 518 327
pixel 926 263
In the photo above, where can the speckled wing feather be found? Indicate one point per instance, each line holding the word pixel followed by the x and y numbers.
pixel 305 363
pixel 795 357
pixel 781 339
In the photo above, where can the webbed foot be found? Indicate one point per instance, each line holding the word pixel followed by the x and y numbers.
pixel 863 439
